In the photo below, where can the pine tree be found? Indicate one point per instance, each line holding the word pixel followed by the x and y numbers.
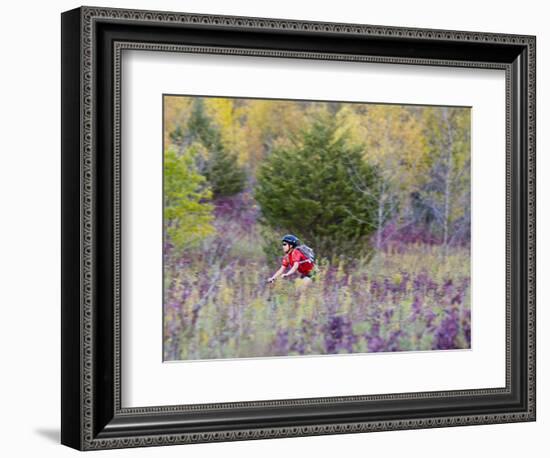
pixel 322 190
pixel 224 174
pixel 200 128
pixel 219 166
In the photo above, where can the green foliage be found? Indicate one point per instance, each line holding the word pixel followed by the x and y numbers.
pixel 187 213
pixel 200 128
pixel 321 189
pixel 271 250
pixel 219 166
pixel 224 174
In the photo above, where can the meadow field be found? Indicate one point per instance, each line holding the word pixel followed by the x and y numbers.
pixel 219 305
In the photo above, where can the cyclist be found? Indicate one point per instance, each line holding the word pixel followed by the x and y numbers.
pixel 294 258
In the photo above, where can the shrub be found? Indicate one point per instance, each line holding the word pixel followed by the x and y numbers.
pixel 322 190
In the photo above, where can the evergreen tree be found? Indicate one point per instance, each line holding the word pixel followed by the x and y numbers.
pixel 219 166
pixel 322 190
pixel 200 128
pixel 224 174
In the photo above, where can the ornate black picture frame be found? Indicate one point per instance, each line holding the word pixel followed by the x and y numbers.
pixel 92 41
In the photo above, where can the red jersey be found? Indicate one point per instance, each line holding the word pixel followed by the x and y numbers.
pixel 305 266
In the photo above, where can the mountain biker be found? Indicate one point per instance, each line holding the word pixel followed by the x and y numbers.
pixel 294 258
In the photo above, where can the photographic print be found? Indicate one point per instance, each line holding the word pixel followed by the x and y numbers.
pixel 294 227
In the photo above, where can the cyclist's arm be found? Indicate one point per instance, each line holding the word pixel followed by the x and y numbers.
pixel 278 273
pixel 293 269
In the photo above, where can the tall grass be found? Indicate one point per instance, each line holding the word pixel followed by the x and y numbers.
pixel 407 300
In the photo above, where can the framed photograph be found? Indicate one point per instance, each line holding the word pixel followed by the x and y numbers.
pixel 276 228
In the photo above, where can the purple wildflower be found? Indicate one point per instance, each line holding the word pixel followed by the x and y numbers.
pixel 416 308
pixel 339 335
pixel 430 316
pixel 375 344
pixel 446 333
pixel 466 326
pixel 388 314
pixel 281 342
pixel 393 340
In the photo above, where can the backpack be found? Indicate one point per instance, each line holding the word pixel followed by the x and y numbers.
pixel 307 252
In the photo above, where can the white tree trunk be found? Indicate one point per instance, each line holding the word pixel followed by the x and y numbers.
pixel 448 178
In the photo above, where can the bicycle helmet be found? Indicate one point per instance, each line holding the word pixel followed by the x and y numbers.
pixel 292 240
